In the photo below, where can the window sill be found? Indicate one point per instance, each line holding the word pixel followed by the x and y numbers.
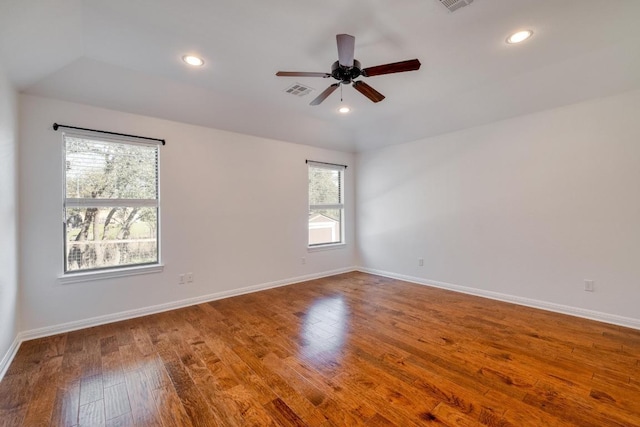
pixel 109 274
pixel 327 247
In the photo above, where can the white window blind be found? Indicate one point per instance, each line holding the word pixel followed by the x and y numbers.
pixel 326 203
pixel 111 202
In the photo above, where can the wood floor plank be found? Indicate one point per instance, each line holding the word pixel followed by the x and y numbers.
pixel 141 340
pixel 116 401
pixel 108 345
pixel 112 368
pixel 245 408
pixel 389 403
pixel 16 390
pixel 446 415
pixel 192 401
pixel 13 417
pixel 215 395
pixel 284 415
pixel 243 373
pixel 340 403
pixel 42 403
pixel 92 414
pixel 75 342
pixel 156 372
pixel 301 386
pixel 124 420
pixel 348 350
pixel 92 362
pixel 379 421
pixel 91 389
pixel 288 395
pixel 170 409
pixel 66 406
pixel 141 399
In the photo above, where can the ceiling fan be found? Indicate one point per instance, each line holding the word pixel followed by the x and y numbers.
pixel 346 69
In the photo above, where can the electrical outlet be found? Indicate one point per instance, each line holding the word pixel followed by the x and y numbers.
pixel 303 260
pixel 189 277
pixel 589 286
pixel 420 262
pixel 181 279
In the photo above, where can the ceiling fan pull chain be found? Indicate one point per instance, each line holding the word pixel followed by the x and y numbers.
pixel 340 93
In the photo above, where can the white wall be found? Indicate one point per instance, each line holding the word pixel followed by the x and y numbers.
pixel 528 207
pixel 218 190
pixel 9 306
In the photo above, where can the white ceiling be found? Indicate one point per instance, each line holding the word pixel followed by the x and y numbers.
pixel 125 55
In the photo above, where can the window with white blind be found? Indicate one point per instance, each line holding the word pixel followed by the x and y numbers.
pixel 111 203
pixel 326 203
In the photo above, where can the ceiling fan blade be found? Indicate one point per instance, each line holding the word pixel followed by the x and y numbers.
pixel 328 91
pixel 346 46
pixel 396 67
pixel 301 74
pixel 368 91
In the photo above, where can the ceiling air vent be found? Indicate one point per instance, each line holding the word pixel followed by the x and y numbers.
pixel 299 90
pixel 454 5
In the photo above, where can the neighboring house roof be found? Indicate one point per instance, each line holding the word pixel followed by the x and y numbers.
pixel 317 217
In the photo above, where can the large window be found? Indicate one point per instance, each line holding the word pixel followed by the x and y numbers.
pixel 111 204
pixel 326 203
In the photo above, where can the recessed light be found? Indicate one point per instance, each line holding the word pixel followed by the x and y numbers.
pixel 519 37
pixel 193 60
pixel 344 110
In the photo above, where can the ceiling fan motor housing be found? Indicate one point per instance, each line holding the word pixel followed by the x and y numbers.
pixel 346 74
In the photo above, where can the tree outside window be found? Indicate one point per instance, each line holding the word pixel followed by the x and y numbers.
pixel 111 203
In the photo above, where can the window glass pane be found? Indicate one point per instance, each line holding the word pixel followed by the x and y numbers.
pixel 108 237
pixel 110 170
pixel 325 226
pixel 324 186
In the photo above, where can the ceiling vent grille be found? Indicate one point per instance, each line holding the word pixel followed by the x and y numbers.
pixel 454 5
pixel 299 90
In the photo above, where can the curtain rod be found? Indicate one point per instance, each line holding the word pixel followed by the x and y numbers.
pixel 325 163
pixel 56 126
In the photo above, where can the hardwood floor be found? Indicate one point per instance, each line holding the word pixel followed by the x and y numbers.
pixel 348 350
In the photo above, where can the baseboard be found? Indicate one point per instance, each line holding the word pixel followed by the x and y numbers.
pixel 145 311
pixel 9 355
pixel 543 305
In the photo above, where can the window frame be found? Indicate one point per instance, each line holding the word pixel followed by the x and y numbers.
pixel 70 276
pixel 341 169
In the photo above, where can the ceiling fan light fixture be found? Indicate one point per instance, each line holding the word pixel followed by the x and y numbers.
pixel 344 110
pixel 192 60
pixel 519 36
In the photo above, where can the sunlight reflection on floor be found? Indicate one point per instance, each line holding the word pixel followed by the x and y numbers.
pixel 324 327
